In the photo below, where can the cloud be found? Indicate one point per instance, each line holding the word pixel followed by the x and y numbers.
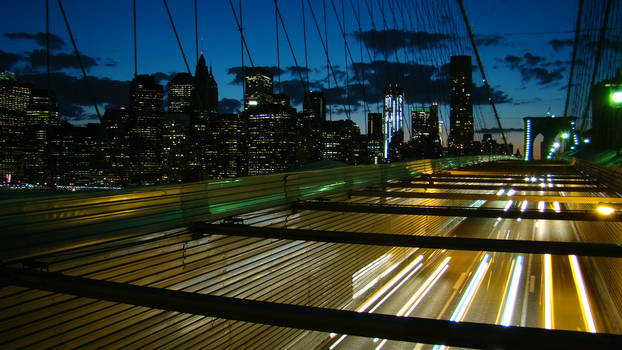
pixel 559 44
pixel 542 76
pixel 56 42
pixel 72 96
pixel 163 78
pixel 229 105
pixel 239 75
pixel 8 60
pixel 489 39
pixel 293 70
pixel 387 41
pixel 496 130
pixel 59 61
pixel 532 67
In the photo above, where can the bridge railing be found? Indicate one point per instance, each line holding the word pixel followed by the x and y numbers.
pixel 610 177
pixel 30 227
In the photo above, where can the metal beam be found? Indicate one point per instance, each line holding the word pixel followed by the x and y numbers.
pixel 411 329
pixel 488 197
pixel 403 240
pixel 503 176
pixel 516 180
pixel 577 215
pixel 408 184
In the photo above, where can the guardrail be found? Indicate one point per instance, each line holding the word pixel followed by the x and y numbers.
pixel 612 178
pixel 30 227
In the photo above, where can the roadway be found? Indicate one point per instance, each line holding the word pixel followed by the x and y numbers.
pixel 557 292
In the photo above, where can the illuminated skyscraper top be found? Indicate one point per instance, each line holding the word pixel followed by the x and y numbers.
pixel 180 90
pixel 258 87
pixel 393 117
pixel 460 104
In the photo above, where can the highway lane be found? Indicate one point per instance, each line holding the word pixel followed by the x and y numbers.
pixel 539 291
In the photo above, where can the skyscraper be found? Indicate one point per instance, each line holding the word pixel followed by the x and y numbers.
pixel 310 127
pixel 145 129
pixel 228 147
pixel 205 88
pixel 14 103
pixel 315 104
pixel 42 115
pixel 460 103
pixel 393 117
pixel 180 93
pixel 258 87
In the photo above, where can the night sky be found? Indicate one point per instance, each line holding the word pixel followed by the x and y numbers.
pixel 525 46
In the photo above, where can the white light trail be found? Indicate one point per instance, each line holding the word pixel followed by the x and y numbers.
pixel 381 344
pixel 464 303
pixel 337 342
pixel 389 284
pixel 374 281
pixel 424 289
pixel 417 268
pixel 585 303
pixel 548 289
pixel 363 271
pixel 523 206
pixel 511 192
pixel 508 309
pixel 557 207
pixel 501 192
pixel 508 205
pixel 541 206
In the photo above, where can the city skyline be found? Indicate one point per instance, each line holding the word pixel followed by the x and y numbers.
pixel 112 64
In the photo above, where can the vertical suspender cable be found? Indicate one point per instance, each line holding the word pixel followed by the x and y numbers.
pixel 241 46
pixel 75 48
pixel 481 68
pixel 278 50
pixel 574 55
pixel 330 109
pixel 304 35
pixel 601 44
pixel 291 48
pixel 239 24
pixel 196 32
pixel 168 12
pixel 135 56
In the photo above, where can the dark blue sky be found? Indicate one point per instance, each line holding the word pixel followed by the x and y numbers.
pixel 520 56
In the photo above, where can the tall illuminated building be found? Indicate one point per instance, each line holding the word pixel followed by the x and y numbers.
pixel 309 127
pixel 14 103
pixel 42 115
pixel 115 124
pixel 145 123
pixel 228 146
pixel 460 104
pixel 393 117
pixel 271 138
pixel 180 93
pixel 258 87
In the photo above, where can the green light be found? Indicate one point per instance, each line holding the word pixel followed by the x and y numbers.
pixel 586 140
pixel 616 97
pixel 565 135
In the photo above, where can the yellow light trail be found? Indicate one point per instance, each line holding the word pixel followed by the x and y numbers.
pixel 585 303
pixel 548 295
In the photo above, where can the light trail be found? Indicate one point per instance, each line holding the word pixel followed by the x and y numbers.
pixel 389 284
pixel 511 192
pixel 523 206
pixel 416 264
pixel 501 192
pixel 541 206
pixel 374 281
pixel 363 271
pixel 424 289
pixel 548 295
pixel 417 268
pixel 465 302
pixel 585 303
pixel 508 205
pixel 557 207
pixel 508 309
